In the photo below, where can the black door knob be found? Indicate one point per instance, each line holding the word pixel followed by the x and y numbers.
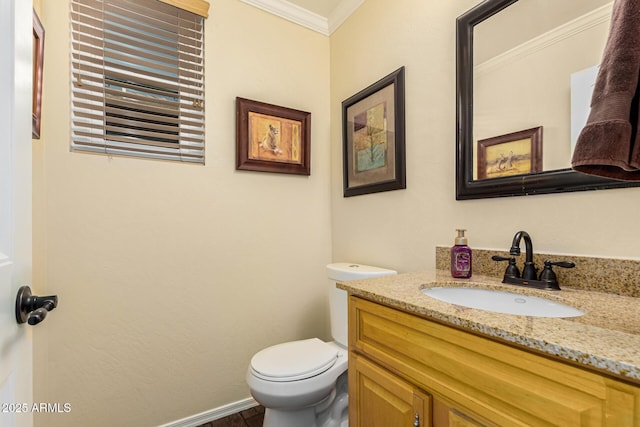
pixel 31 308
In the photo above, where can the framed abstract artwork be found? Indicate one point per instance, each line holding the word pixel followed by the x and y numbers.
pixel 373 137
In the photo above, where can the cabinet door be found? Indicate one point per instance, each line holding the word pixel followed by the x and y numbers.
pixel 381 399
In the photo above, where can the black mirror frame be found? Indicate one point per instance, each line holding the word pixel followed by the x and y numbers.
pixel 555 181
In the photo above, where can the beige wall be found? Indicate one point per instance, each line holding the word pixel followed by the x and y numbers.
pixel 170 276
pixel 155 325
pixel 400 229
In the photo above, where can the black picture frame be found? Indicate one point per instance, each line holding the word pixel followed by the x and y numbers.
pixel 373 137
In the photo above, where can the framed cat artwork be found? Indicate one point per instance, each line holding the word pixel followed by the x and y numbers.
pixel 270 138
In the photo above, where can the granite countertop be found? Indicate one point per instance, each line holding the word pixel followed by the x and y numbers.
pixel 606 338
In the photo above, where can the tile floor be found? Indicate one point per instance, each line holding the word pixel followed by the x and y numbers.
pixel 251 417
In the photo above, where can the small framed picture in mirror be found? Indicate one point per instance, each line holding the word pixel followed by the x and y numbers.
pixel 515 153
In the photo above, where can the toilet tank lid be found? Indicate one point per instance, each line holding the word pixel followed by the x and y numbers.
pixel 343 271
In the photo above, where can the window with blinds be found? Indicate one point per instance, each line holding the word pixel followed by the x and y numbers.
pixel 137 79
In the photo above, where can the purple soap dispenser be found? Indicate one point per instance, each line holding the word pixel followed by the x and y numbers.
pixel 461 257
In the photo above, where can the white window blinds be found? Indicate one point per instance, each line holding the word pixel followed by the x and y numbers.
pixel 137 79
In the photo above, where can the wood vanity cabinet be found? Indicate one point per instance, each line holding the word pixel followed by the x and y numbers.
pixel 402 365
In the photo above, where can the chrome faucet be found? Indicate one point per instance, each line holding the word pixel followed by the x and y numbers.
pixel 529 272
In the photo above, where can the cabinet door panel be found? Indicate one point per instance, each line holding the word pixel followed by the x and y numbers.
pixel 380 399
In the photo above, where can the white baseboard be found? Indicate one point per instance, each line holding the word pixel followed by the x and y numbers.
pixel 213 414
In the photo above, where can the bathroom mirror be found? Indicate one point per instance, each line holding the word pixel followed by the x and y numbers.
pixel 525 70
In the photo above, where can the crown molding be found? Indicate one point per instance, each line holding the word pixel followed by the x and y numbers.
pixel 589 20
pixel 306 18
pixel 293 13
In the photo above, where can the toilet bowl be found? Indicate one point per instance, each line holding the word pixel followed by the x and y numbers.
pixel 297 393
pixel 304 383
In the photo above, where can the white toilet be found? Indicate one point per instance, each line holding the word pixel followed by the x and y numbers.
pixel 304 383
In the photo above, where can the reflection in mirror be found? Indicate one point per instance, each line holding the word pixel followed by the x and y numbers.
pixel 524 60
pixel 525 66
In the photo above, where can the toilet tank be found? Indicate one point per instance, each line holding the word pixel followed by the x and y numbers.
pixel 342 272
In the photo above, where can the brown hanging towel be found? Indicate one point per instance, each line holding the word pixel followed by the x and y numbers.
pixel 609 144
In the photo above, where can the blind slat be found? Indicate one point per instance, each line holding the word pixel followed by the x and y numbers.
pixel 94 134
pixel 124 149
pixel 91 71
pixel 137 79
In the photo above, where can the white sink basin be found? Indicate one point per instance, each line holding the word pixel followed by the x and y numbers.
pixel 502 302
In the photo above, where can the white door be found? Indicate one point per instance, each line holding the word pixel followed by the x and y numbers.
pixel 16 45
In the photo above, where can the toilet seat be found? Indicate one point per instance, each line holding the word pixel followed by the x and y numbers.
pixel 293 361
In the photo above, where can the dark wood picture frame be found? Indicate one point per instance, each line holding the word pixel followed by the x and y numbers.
pixel 270 138
pixel 38 62
pixel 373 137
pixel 511 154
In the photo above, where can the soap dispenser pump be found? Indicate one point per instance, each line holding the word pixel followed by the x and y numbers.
pixel 461 257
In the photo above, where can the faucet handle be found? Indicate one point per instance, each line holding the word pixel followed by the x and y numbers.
pixel 548 275
pixel 563 264
pixel 512 269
